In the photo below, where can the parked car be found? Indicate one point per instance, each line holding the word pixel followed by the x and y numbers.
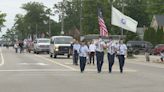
pixel 60 45
pixel 158 48
pixel 138 47
pixel 41 45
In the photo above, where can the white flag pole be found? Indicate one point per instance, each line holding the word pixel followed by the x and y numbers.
pixel 122 30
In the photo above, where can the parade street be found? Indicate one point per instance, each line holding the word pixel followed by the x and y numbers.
pixel 28 72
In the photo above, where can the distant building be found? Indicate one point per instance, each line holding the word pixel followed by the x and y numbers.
pixel 157 22
pixel 140 32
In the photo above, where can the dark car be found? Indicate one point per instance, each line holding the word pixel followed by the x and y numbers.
pixel 158 48
pixel 138 47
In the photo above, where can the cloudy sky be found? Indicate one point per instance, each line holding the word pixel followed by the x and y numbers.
pixel 12 7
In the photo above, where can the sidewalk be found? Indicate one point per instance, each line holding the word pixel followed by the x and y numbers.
pixel 141 58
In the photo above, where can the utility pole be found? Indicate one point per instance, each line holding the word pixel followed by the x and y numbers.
pixel 62 16
pixel 36 30
pixel 62 23
pixel 49 27
pixel 80 16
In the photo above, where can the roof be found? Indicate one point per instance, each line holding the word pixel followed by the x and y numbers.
pixel 160 19
pixel 96 36
pixel 42 39
pixel 61 37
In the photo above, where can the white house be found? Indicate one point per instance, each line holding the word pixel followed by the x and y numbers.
pixel 157 21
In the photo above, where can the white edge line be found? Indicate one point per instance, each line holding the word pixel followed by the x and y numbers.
pixel 36 70
pixel 2 58
pixel 69 67
pixel 58 70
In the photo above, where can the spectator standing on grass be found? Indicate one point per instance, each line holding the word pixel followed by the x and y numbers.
pixel 162 55
pixel 147 54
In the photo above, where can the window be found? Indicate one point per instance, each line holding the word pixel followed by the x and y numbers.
pixel 63 40
pixel 43 41
pixel 52 41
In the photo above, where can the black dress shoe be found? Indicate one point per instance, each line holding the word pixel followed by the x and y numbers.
pixel 121 71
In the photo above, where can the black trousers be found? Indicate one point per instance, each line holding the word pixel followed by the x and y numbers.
pixel 121 62
pixel 110 61
pixel 82 63
pixel 21 49
pixel 100 60
pixel 16 50
pixel 75 58
pixel 92 57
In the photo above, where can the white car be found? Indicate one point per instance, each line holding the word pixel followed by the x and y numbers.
pixel 41 45
pixel 60 45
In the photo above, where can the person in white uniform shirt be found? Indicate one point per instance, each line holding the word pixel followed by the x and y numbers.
pixel 76 48
pixel 111 53
pixel 83 53
pixel 92 49
pixel 117 47
pixel 100 45
pixel 121 54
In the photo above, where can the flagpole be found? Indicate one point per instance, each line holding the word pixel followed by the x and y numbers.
pixel 111 4
pixel 122 30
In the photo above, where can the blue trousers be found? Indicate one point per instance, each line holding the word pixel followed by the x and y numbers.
pixel 110 61
pixel 121 62
pixel 82 63
pixel 100 60
pixel 75 58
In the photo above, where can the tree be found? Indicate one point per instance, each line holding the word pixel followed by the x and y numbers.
pixel 21 26
pixel 159 36
pixel 154 36
pixel 155 7
pixel 2 19
pixel 136 9
pixel 36 21
pixel 69 10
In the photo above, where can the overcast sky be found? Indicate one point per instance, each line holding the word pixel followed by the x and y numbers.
pixel 12 7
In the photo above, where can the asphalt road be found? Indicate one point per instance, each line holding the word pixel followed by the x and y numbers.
pixel 29 72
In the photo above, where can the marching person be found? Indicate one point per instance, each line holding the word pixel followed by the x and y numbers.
pixel 76 47
pixel 83 53
pixel 71 49
pixel 111 53
pixel 92 49
pixel 121 54
pixel 117 47
pixel 100 45
pixel 88 57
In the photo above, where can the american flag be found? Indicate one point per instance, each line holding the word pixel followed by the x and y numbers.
pixel 102 26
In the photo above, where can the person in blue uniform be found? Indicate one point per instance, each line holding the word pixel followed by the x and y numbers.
pixel 83 53
pixel 76 48
pixel 100 45
pixel 111 46
pixel 122 50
